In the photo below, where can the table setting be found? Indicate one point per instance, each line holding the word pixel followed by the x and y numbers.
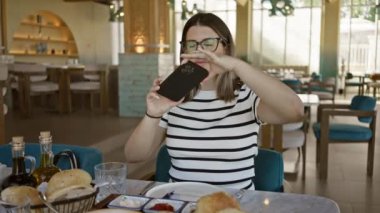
pixel 113 192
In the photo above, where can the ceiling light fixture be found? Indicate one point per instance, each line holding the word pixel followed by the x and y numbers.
pixel 186 11
pixel 285 7
pixel 116 12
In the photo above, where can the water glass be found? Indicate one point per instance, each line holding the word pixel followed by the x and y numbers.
pixel 23 206
pixel 111 179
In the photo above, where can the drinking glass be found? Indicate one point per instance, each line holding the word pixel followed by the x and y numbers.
pixel 110 179
pixel 22 206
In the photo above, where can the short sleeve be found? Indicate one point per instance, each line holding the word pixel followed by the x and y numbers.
pixel 256 102
pixel 164 121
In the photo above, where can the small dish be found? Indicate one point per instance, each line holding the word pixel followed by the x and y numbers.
pixel 177 205
pixel 128 202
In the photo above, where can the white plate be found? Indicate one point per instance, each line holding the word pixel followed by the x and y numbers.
pixel 187 191
pixel 113 211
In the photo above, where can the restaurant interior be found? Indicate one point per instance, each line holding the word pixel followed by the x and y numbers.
pixel 81 69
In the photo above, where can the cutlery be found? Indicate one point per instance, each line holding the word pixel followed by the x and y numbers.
pixel 47 203
pixel 168 195
pixel 239 194
pixel 146 188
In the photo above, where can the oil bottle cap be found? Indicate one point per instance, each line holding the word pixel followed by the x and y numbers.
pixel 45 134
pixel 17 143
pixel 18 139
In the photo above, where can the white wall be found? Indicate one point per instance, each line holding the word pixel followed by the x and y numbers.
pixel 88 21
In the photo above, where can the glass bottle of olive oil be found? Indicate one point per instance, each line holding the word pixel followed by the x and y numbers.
pixel 46 168
pixel 19 175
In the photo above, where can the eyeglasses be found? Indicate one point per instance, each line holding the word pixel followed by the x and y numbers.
pixel 210 44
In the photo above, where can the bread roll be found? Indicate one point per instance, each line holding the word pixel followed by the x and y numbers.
pixel 230 210
pixel 16 195
pixel 67 178
pixel 71 192
pixel 216 202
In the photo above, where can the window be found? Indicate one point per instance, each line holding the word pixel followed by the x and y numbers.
pixel 287 40
pixel 359 37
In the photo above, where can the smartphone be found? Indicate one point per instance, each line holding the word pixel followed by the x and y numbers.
pixel 179 83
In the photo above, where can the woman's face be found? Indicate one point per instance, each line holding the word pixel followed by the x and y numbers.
pixel 200 33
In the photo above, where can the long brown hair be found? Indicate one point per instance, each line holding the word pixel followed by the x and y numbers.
pixel 227 82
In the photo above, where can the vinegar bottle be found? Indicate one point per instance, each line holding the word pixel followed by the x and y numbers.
pixel 19 175
pixel 46 168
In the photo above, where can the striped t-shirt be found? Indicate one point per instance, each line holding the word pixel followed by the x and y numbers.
pixel 212 141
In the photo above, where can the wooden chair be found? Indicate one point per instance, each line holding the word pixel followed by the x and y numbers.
pixel 93 81
pixel 281 137
pixel 354 81
pixel 375 84
pixel 325 90
pixel 326 132
pixel 30 80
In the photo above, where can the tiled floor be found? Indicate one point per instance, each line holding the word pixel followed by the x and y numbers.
pixel 347 182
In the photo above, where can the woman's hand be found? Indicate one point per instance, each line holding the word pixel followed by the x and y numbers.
pixel 157 105
pixel 218 63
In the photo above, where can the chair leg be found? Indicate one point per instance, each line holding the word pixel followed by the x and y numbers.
pixel 324 153
pixel 370 157
pixel 92 101
pixel 304 160
pixel 317 151
pixel 69 104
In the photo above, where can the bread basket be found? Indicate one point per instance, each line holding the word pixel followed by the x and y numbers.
pixel 74 205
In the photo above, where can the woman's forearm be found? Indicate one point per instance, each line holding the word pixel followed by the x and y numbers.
pixel 278 102
pixel 144 140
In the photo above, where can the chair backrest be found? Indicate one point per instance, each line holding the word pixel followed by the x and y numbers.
pixel 94 67
pixel 87 157
pixel 365 103
pixel 349 76
pixel 375 77
pixel 35 68
pixel 269 169
pixel 295 84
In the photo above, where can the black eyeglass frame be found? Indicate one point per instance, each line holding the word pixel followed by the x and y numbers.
pixel 199 43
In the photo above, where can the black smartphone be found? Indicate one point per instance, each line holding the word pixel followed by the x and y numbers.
pixel 179 83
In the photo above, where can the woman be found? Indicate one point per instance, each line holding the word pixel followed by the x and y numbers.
pixel 211 134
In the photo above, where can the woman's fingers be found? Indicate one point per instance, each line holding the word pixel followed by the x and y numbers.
pixel 194 55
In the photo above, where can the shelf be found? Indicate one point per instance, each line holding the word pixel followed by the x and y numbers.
pixel 45 55
pixel 49 34
pixel 41 39
pixel 43 25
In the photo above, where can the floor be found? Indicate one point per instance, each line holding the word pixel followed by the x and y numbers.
pixel 347 182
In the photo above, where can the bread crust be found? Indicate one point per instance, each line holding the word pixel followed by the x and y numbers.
pixel 17 194
pixel 216 202
pixel 67 178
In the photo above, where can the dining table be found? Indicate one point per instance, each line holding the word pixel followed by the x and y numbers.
pixel 252 201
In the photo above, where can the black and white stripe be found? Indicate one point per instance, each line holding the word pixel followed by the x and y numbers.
pixel 212 141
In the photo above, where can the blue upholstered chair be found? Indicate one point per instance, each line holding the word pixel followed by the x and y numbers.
pixel 269 169
pixel 362 107
pixel 325 89
pixel 87 157
pixel 354 81
pixel 295 84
